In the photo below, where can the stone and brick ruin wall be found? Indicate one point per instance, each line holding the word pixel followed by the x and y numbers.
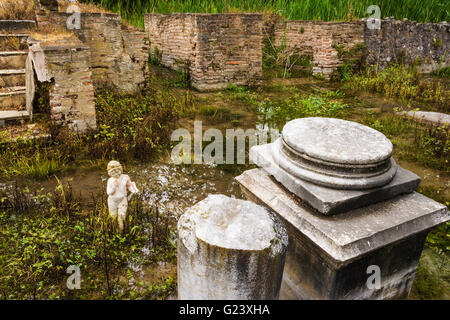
pixel 104 53
pixel 397 41
pixel 322 41
pixel 67 63
pixel 410 42
pixel 229 50
pixel 118 52
pixel 216 49
pixel 173 39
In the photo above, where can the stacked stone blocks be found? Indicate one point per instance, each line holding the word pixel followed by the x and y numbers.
pixel 118 53
pixel 68 65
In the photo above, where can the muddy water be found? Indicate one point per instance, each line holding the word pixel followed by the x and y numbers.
pixel 174 187
pixel 171 187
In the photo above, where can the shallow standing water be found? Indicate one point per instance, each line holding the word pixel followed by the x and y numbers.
pixel 173 188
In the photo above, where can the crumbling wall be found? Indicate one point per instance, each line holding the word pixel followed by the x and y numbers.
pixel 216 49
pixel 404 41
pixel 324 41
pixel 427 44
pixel 67 63
pixel 172 38
pixel 114 62
pixel 229 50
pixel 136 47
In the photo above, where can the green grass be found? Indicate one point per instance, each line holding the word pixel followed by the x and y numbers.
pixel 39 167
pixel 297 106
pixel 418 10
pixel 424 144
pixel 130 127
pixel 43 234
pixel 404 82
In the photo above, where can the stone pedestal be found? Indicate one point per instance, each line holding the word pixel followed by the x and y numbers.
pixel 230 249
pixel 336 235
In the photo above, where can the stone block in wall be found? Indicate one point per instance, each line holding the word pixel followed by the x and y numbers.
pixel 135 47
pixel 216 49
pixel 324 41
pixel 172 38
pixel 425 44
pixel 118 53
pixel 67 64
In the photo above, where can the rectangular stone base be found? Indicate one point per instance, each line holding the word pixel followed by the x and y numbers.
pixel 328 256
pixel 308 275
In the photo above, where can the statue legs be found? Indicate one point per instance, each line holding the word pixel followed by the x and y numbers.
pixel 118 208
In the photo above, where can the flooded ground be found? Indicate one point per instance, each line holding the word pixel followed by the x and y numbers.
pixel 173 188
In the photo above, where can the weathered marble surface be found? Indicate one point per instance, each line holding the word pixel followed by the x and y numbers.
pixel 333 153
pixel 434 118
pixel 338 141
pixel 328 255
pixel 327 200
pixel 230 249
pixel 117 189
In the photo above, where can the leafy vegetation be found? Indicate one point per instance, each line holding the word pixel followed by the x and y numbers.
pixel 43 234
pixel 428 284
pixel 281 61
pixel 130 127
pixel 403 82
pixel 424 144
pixel 297 106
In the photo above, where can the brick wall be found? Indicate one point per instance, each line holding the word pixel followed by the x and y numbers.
pixel 323 41
pixel 118 53
pixel 405 41
pixel 408 40
pixel 174 36
pixel 67 63
pixel 216 49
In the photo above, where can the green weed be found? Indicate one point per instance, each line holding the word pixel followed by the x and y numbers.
pixel 280 111
pixel 401 81
pixel 37 246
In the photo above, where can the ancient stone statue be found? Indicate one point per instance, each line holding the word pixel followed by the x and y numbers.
pixel 117 188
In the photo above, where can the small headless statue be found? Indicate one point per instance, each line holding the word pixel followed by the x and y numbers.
pixel 117 188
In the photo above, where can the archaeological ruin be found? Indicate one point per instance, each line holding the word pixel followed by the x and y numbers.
pixel 326 204
pixel 346 205
pixel 215 50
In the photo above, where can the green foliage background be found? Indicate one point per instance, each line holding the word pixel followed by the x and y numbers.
pixel 419 10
